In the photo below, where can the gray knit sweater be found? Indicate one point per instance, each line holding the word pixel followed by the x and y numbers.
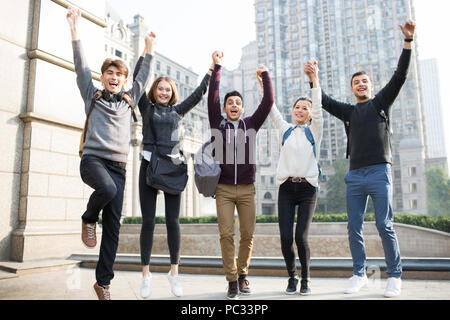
pixel 109 128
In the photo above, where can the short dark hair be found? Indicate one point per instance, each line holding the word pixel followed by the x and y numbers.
pixel 359 73
pixel 301 99
pixel 233 93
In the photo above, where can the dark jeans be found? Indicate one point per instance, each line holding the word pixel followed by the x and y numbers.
pixel 290 195
pixel 147 196
pixel 107 178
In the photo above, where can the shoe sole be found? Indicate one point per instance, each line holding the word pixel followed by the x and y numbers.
pixel 304 294
pixel 145 297
pixel 245 293
pixel 88 246
pixel 363 287
pixel 235 298
pixel 290 292
pixel 391 296
pixel 168 278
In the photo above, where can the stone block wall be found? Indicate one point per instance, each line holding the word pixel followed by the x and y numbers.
pixel 325 239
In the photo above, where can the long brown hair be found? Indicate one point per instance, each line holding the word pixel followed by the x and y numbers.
pixel 152 92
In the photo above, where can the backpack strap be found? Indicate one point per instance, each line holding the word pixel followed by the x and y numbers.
pixel 129 100
pixel 97 95
pixel 347 132
pixel 222 124
pixel 310 138
pixel 287 134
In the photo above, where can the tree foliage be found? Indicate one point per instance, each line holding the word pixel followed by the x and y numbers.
pixel 438 192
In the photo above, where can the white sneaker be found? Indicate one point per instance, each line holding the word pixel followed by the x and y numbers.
pixel 356 283
pixel 146 288
pixel 393 287
pixel 175 285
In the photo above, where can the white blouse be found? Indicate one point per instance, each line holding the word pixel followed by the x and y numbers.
pixel 296 155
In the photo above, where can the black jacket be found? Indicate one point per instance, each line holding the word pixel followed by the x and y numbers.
pixel 166 118
pixel 368 132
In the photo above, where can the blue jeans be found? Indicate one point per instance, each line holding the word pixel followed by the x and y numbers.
pixel 374 181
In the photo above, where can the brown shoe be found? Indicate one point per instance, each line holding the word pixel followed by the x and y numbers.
pixel 88 235
pixel 244 288
pixel 102 292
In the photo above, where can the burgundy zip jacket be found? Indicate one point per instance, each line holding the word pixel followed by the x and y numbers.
pixel 238 160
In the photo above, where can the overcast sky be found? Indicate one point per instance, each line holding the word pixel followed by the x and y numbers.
pixel 189 31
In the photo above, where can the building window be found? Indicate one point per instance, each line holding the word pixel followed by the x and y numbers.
pixel 158 65
pixel 187 79
pixel 118 53
pixel 412 171
pixel 178 75
pixel 399 205
pixel 413 204
pixel 168 70
pixel 412 187
pixel 263 179
pixel 268 196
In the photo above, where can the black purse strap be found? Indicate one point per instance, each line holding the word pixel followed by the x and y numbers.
pixel 152 126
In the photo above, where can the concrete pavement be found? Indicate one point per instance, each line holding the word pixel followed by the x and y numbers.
pixel 76 284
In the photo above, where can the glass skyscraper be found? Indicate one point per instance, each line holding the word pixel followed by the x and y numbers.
pixel 346 36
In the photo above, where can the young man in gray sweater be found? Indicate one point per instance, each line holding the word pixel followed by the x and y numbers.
pixel 106 147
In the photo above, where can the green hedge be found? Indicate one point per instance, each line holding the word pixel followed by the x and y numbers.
pixel 438 223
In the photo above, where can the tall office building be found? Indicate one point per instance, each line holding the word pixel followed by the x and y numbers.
pixel 346 36
pixel 429 75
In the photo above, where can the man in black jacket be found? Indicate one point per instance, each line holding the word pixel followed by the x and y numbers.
pixel 369 148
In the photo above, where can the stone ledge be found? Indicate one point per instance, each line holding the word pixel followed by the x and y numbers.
pixel 7 275
pixel 37 266
pixel 413 268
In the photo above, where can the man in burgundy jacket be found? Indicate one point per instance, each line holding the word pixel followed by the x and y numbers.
pixel 237 141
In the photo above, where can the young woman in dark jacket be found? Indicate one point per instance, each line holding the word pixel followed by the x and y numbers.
pixel 167 113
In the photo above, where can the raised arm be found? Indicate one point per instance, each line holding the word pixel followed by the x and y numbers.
pixel 149 48
pixel 214 114
pixel 316 112
pixel 386 97
pixel 196 96
pixel 338 109
pixel 274 115
pixel 141 73
pixel 82 70
pixel 263 110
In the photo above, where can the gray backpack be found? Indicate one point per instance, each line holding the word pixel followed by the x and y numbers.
pixel 207 170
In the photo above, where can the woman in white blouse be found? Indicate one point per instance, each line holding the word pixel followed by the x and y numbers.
pixel 298 177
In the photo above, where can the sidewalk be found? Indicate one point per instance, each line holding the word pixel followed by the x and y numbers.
pixel 76 284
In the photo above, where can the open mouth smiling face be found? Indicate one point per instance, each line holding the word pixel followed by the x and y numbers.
pixel 113 80
pixel 163 92
pixel 301 112
pixel 362 87
pixel 233 108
